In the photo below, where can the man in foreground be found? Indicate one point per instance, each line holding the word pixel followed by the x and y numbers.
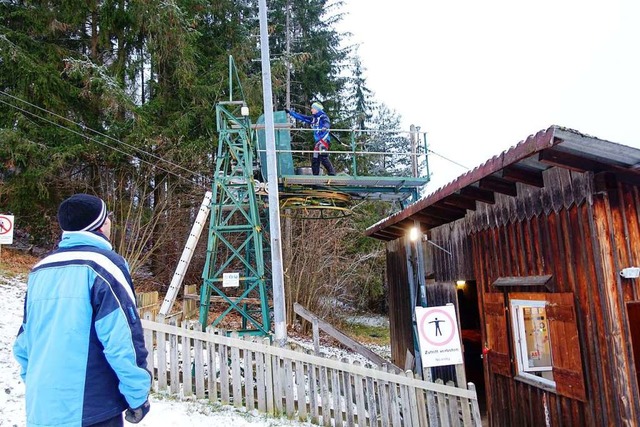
pixel 81 346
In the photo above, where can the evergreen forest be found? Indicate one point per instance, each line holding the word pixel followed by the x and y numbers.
pixel 117 98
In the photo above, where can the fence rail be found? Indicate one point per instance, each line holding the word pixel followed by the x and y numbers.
pixel 252 373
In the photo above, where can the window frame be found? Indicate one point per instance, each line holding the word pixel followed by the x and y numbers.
pixel 520 346
pixel 566 341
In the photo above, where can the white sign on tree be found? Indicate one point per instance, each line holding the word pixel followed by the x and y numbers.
pixel 6 229
pixel 438 336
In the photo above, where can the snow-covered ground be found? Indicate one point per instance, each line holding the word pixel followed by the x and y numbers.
pixel 165 411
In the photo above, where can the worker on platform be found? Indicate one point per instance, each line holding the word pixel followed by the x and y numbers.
pixel 320 124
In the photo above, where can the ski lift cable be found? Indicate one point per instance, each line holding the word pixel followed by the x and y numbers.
pixel 102 143
pixel 85 128
pixel 448 159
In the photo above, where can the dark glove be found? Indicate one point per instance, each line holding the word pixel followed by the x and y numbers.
pixel 136 415
pixel 287 111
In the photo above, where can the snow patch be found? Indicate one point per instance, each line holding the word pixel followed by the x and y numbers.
pixel 377 321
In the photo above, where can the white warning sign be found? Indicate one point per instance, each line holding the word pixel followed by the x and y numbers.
pixel 6 229
pixel 230 280
pixel 439 337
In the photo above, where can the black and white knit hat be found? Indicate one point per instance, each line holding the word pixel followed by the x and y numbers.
pixel 82 212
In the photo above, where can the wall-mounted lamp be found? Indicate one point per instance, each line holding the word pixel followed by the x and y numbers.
pixel 414 233
pixel 460 284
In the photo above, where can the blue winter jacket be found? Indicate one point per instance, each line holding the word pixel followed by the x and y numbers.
pixel 319 123
pixel 81 346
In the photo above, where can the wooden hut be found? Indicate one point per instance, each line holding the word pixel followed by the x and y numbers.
pixel 542 235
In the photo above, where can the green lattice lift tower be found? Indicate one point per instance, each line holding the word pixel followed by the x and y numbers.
pixel 235 274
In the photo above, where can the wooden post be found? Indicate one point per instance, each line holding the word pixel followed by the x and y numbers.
pixel 475 408
pixel 300 384
pixel 341 337
pixel 316 337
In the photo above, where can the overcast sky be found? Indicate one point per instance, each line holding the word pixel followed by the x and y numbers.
pixel 480 76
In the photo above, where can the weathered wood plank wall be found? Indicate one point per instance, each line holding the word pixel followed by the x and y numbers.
pixel 455 262
pixel 400 331
pixel 581 232
pixel 512 402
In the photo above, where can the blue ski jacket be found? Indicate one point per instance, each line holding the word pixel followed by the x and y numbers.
pixel 81 346
pixel 319 123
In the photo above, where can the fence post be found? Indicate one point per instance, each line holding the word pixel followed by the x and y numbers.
pixel 348 395
pixel 300 384
pixel 199 368
pixel 316 336
pixel 268 364
pixel 149 344
pixel 223 357
pixel 249 379
pixel 335 391
pixel 187 378
pixel 442 407
pixel 173 359
pixel 475 408
pixel 261 380
pixel 313 392
pixel 162 360
pixel 452 403
pixel 214 361
pixel 236 373
pixel 383 396
pixel 324 395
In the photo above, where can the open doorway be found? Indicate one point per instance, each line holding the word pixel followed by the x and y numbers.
pixel 633 311
pixel 472 338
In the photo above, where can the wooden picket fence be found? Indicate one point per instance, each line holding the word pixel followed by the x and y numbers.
pixel 252 373
pixel 147 302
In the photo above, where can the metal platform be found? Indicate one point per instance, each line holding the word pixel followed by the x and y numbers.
pixel 388 188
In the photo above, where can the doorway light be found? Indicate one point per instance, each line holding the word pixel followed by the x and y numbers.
pixel 414 233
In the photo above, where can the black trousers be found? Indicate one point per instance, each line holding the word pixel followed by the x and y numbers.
pixel 111 422
pixel 326 163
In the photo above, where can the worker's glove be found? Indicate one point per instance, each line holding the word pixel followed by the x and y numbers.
pixel 286 110
pixel 136 415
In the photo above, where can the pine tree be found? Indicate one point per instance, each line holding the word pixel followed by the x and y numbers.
pixel 315 58
pixel 389 139
pixel 52 90
pixel 358 97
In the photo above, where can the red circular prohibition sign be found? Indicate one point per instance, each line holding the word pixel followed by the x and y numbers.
pixel 426 337
pixel 4 220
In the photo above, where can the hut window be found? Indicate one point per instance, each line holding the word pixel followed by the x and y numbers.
pixel 532 341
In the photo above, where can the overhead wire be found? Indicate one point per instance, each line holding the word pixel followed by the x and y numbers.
pixel 139 150
pixel 88 137
pixel 448 159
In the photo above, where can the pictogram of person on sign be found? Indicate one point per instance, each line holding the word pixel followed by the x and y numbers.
pixel 437 322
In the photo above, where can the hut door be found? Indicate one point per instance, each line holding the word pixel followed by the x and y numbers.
pixel 633 311
pixel 497 338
